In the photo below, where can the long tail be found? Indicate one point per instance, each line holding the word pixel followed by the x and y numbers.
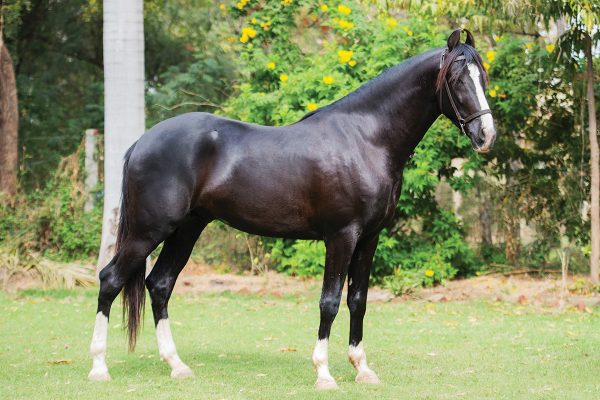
pixel 134 294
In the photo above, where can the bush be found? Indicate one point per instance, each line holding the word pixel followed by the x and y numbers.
pixel 51 221
pixel 300 258
pixel 403 282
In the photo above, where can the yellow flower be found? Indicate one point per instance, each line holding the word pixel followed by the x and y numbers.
pixel 253 20
pixel 251 33
pixel 344 10
pixel 344 55
pixel 265 25
pixel 492 92
pixel 429 273
pixel 550 47
pixel 286 2
pixel 490 55
pixel 352 63
pixel 324 7
pixel 486 66
pixel 529 46
pixel 328 79
pixel 222 7
pixel 391 23
pixel 244 38
pixel 312 106
pixel 345 25
pixel 271 65
pixel 241 4
pixel 283 78
pixel 409 32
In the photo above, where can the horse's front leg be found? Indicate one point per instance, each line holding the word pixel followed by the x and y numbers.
pixel 339 249
pixel 358 285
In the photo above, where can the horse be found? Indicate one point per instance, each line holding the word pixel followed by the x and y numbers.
pixel 335 175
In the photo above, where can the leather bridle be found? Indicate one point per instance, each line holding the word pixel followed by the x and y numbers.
pixel 461 121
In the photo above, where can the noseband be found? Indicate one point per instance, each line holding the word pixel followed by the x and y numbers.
pixel 461 121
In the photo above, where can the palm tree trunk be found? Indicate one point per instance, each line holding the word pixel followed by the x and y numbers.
pixel 124 119
pixel 594 163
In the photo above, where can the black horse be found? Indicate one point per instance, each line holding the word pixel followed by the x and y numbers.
pixel 335 175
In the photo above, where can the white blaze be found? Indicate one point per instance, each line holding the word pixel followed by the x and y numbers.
pixel 487 123
pixel 99 370
pixel 168 352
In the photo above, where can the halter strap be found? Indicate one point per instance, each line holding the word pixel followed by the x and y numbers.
pixel 461 121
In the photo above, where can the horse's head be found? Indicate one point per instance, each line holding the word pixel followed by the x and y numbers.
pixel 461 98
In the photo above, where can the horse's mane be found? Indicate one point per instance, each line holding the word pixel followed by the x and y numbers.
pixel 393 70
pixel 471 56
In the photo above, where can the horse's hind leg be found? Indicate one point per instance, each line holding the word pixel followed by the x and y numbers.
pixel 128 262
pixel 173 257
pixel 358 285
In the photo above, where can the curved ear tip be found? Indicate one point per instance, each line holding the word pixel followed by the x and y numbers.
pixel 454 38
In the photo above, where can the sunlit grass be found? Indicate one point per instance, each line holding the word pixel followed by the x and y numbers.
pixel 242 347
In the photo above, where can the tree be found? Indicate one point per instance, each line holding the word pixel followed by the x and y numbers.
pixel 594 161
pixel 124 117
pixel 9 119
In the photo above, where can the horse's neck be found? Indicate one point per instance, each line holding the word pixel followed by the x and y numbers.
pixel 403 105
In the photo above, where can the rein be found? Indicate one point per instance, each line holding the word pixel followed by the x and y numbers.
pixel 461 121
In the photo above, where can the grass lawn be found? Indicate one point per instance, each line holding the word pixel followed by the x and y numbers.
pixel 241 347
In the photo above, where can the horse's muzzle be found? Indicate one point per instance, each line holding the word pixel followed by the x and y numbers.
pixel 484 140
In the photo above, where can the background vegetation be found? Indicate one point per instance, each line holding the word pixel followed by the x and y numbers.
pixel 521 206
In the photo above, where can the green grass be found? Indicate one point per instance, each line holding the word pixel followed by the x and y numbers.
pixel 232 342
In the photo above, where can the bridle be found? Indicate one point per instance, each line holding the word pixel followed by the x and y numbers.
pixel 461 121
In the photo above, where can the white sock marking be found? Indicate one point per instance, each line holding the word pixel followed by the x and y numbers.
pixel 487 122
pixel 358 358
pixel 167 350
pixel 320 361
pixel 98 349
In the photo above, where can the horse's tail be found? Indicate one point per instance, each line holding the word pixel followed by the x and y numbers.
pixel 134 294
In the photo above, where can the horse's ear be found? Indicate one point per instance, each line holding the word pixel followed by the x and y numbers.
pixel 470 39
pixel 454 39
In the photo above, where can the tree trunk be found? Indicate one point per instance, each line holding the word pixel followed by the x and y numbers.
pixel 594 166
pixel 485 217
pixel 123 105
pixel 9 125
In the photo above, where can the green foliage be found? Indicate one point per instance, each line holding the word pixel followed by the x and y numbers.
pixel 271 62
pixel 403 282
pixel 51 221
pixel 301 258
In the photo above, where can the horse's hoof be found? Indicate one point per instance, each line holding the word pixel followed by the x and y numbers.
pixel 325 384
pixel 182 373
pixel 99 375
pixel 368 377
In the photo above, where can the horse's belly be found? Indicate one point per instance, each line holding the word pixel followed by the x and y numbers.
pixel 260 211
